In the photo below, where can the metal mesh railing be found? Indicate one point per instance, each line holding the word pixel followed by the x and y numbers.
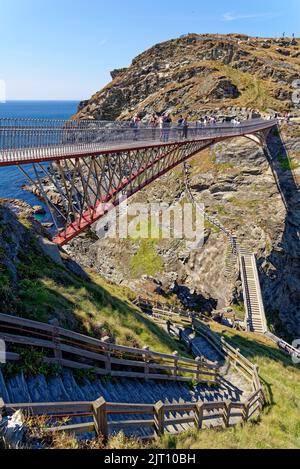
pixel 42 139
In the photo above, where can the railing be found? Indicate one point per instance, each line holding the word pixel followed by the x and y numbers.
pixel 163 311
pixel 78 351
pixel 288 348
pixel 23 140
pixel 157 417
pixel 153 419
pixel 234 356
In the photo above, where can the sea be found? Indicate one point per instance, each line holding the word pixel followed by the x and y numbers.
pixel 11 178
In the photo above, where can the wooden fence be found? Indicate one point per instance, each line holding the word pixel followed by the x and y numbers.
pixel 75 350
pixel 158 417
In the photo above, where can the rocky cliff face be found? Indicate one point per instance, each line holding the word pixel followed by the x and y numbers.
pixel 201 72
pixel 252 192
pixel 255 195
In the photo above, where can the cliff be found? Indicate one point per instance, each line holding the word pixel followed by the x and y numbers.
pixel 201 72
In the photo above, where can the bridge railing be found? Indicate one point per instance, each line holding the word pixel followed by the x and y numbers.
pixel 27 139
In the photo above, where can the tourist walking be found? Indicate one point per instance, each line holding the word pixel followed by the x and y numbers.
pixel 185 128
pixel 153 122
pixel 166 124
pixel 135 124
pixel 179 126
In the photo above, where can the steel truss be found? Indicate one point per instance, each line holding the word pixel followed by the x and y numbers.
pixel 90 187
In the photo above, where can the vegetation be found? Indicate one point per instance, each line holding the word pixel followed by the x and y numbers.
pixel 31 363
pixel 279 425
pixel 239 310
pixel 255 92
pixel 44 290
pixel 286 163
pixel 146 261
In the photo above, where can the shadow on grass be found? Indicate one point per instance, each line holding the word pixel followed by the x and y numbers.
pixel 44 290
pixel 256 349
pixel 280 290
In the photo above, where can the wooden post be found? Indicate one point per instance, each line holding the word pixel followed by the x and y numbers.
pixel 146 360
pixel 159 418
pixel 100 417
pixel 199 367
pixel 199 409
pixel 246 411
pixel 106 340
pixel 222 342
pixel 2 405
pixel 227 413
pixel 56 339
pixel 175 373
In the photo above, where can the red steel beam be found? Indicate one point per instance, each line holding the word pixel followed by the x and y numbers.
pixel 90 216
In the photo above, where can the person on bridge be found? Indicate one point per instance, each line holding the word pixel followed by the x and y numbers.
pixel 135 124
pixel 166 124
pixel 153 122
pixel 185 128
pixel 179 126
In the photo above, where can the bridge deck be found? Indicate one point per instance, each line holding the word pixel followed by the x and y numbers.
pixel 29 144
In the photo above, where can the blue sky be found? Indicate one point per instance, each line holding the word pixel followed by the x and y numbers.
pixel 64 49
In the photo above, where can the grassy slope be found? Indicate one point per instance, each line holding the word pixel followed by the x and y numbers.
pixel 279 425
pixel 44 290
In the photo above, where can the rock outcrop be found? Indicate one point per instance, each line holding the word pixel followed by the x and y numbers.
pixel 255 198
pixel 199 72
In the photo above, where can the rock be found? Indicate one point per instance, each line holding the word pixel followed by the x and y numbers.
pixel 181 71
pixel 82 105
pixel 50 249
pixel 47 225
pixel 224 89
pixel 75 268
pixel 12 430
pixel 38 210
pixel 117 72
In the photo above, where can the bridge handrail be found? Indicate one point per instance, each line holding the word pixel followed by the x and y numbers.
pixel 290 349
pixel 19 140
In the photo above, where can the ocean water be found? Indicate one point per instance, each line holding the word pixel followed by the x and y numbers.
pixel 11 178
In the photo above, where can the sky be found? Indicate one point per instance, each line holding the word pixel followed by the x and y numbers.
pixel 65 49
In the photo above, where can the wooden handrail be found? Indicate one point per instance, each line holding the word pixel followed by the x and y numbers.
pixel 109 357
pixel 242 364
pixel 154 414
pixel 100 410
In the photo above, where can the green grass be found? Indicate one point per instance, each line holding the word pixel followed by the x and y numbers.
pixel 239 310
pixel 287 164
pixel 224 167
pixel 279 425
pixel 250 204
pixel 211 226
pixel 221 210
pixel 146 261
pixel 44 290
pixel 255 92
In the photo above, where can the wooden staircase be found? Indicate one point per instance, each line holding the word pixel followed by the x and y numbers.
pixel 255 312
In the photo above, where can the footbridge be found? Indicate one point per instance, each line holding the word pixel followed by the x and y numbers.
pixel 92 164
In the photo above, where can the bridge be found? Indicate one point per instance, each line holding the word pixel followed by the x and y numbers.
pixel 92 163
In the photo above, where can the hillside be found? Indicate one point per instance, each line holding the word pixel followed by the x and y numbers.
pixel 33 286
pixel 201 72
pixel 234 181
pixel 279 425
